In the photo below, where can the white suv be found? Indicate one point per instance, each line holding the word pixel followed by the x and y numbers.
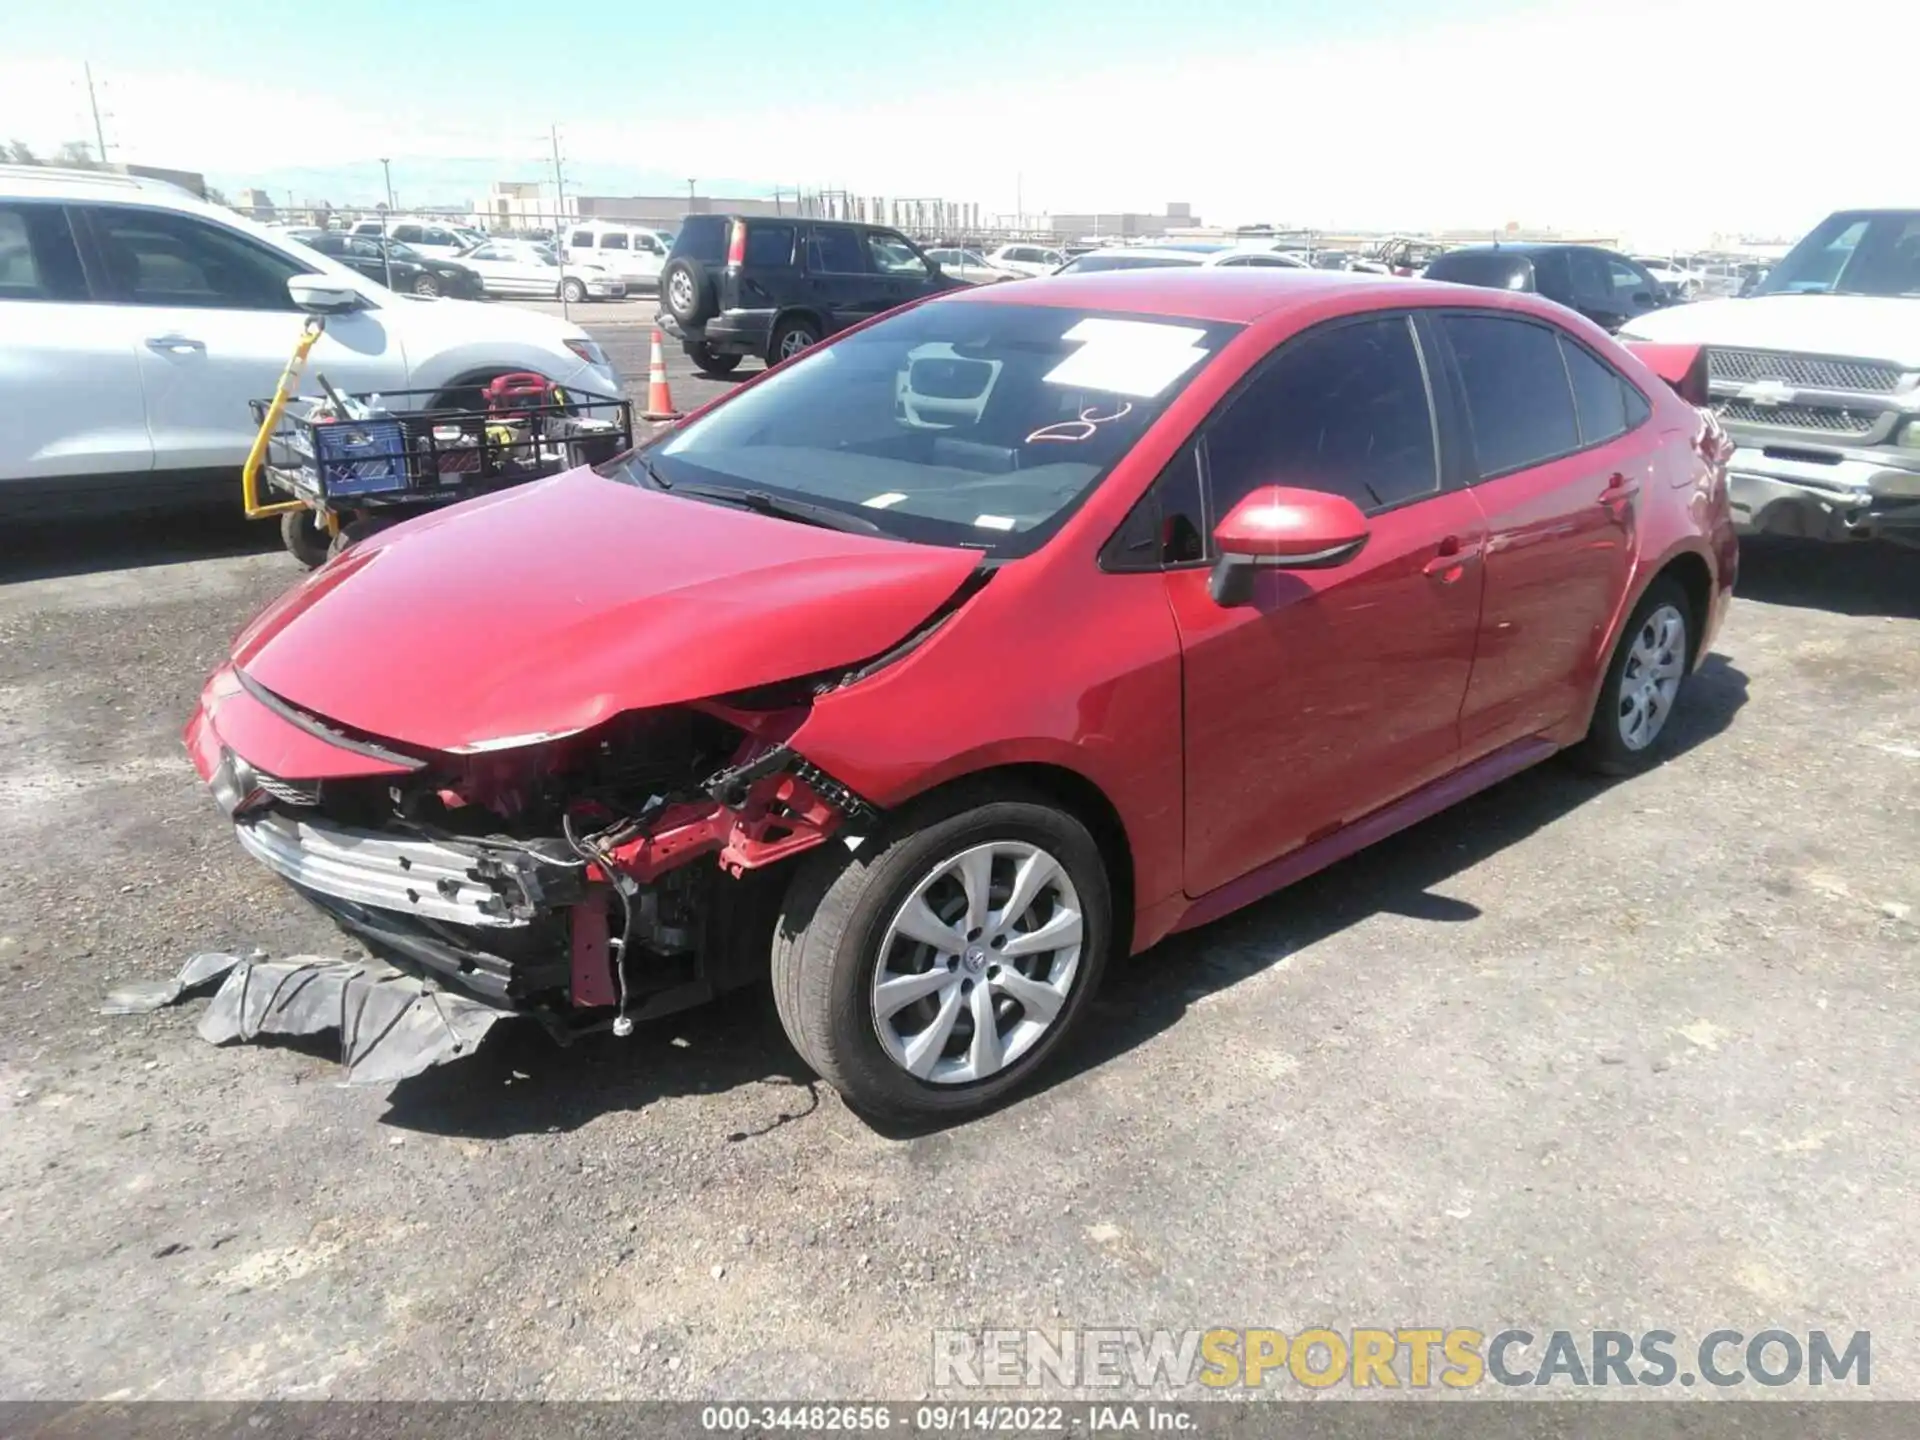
pixel 635 254
pixel 136 322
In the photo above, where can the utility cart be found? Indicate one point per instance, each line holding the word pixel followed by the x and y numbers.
pixel 336 467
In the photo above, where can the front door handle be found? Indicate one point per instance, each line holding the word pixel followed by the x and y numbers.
pixel 175 344
pixel 1451 559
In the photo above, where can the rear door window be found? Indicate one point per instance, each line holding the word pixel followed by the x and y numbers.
pixel 1345 410
pixel 1516 388
pixel 613 240
pixel 581 240
pixel 1599 395
pixel 834 250
pixel 409 233
pixel 769 245
pixel 38 260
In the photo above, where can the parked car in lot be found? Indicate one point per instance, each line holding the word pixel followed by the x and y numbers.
pixel 1607 288
pixel 400 266
pixel 992 640
pixel 1817 376
pixel 971 266
pixel 1677 280
pixel 634 254
pixel 1028 259
pixel 137 322
pixel 738 286
pixel 1197 255
pixel 442 242
pixel 530 268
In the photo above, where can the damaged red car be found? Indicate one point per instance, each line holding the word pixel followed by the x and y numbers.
pixel 998 637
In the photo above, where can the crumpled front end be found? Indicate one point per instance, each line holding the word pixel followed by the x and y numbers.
pixel 561 876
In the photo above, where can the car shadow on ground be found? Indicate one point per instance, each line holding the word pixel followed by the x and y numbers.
pixel 43 551
pixel 1853 579
pixel 521 1082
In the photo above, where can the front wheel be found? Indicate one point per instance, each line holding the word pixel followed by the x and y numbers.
pixel 1631 723
pixel 573 292
pixel 936 968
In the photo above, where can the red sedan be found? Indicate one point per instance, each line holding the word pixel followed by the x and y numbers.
pixel 1004 634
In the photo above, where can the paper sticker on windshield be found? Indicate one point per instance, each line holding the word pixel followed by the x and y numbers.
pixel 994 522
pixel 1128 357
pixel 881 502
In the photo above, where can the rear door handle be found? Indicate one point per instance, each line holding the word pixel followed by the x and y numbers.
pixel 1451 559
pixel 175 344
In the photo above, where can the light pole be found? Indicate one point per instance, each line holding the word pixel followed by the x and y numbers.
pixel 386 254
pixel 689 194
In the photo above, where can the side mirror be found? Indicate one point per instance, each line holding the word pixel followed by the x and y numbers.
pixel 319 295
pixel 1277 527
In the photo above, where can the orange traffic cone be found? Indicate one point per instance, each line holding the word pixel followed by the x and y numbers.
pixel 659 397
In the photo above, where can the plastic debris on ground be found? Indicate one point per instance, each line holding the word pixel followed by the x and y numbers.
pixel 392 1024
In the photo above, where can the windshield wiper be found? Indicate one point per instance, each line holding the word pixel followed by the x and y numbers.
pixel 764 503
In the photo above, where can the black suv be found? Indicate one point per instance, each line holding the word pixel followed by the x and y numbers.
pixel 737 285
pixel 1606 287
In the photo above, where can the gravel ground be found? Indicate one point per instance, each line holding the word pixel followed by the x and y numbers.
pixel 1569 1056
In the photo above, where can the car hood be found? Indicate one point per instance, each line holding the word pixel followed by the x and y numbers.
pixel 549 608
pixel 1860 326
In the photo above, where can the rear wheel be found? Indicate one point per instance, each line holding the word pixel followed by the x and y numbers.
pixel 791 337
pixel 304 532
pixel 426 285
pixel 937 968
pixel 707 362
pixel 1631 726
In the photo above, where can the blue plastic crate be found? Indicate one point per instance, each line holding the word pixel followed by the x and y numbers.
pixel 360 457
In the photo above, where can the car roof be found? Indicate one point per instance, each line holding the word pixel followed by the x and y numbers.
pixel 1235 295
pixel 51 182
pixel 1523 247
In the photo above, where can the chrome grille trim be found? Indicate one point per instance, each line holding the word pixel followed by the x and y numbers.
pixel 1824 418
pixel 1816 371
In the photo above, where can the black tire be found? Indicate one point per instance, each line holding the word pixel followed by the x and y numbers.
pixel 692 302
pixel 426 285
pixel 835 916
pixel 353 532
pixel 791 336
pixel 573 292
pixel 306 536
pixel 707 362
pixel 1607 749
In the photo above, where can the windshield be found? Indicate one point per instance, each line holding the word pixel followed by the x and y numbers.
pixel 400 250
pixel 1087 264
pixel 954 423
pixel 1853 253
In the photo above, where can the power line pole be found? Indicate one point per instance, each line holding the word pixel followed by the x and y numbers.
pixel 560 219
pixel 93 103
pixel 386 240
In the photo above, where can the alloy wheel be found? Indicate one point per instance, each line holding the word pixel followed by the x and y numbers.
pixel 1651 677
pixel 680 293
pixel 978 963
pixel 793 342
